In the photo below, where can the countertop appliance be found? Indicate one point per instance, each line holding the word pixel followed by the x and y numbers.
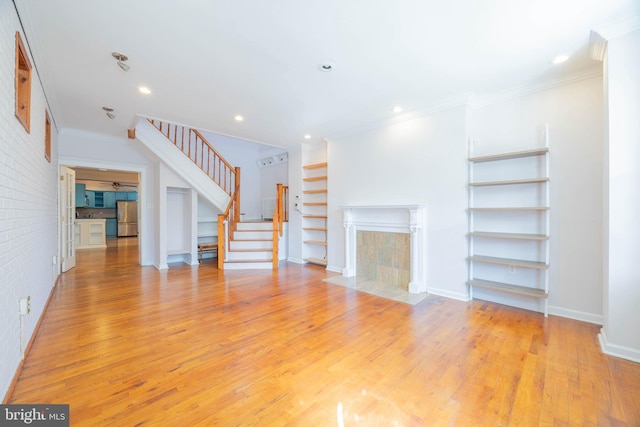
pixel 127 213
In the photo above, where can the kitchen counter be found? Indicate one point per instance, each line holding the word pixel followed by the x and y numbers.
pixel 90 233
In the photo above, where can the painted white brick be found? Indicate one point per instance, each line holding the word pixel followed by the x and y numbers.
pixel 28 206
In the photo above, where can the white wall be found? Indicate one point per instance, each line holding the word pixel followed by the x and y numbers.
pixel 574 114
pixel 423 161
pixel 28 206
pixel 243 154
pixel 420 161
pixel 295 220
pixel 620 335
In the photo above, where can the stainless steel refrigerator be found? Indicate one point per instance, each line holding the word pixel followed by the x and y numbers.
pixel 127 218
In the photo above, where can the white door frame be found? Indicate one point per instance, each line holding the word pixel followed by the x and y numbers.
pixel 143 237
pixel 67 218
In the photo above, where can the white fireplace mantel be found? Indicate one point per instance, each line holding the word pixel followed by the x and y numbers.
pixel 391 219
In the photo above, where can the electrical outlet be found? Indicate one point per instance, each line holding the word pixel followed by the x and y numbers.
pixel 25 305
pixel 512 269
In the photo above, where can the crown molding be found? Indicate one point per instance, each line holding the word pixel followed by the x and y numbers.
pixel 478 101
pixel 597 46
pixel 446 104
pixel 601 35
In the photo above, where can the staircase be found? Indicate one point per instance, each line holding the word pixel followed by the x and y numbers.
pixel 241 245
pixel 250 246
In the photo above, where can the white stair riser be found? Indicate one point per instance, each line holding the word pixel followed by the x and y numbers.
pixel 250 244
pixel 266 226
pixel 238 256
pixel 248 265
pixel 252 235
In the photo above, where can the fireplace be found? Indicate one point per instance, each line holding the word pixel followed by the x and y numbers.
pixel 382 255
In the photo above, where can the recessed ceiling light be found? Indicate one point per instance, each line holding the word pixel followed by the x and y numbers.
pixel 326 66
pixel 560 59
pixel 397 109
pixel 238 118
pixel 307 136
pixel 144 90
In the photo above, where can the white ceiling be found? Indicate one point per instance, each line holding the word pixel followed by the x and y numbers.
pixel 208 60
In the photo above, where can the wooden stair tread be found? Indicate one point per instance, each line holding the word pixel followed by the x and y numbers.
pixel 320 191
pixel 314 216
pixel 315 204
pixel 314 228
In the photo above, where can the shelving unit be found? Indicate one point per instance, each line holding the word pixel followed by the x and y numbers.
pixel 509 221
pixel 314 213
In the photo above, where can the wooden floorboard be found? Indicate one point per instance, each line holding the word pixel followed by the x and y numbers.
pixel 126 345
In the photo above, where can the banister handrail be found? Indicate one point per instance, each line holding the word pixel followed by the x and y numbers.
pixel 196 147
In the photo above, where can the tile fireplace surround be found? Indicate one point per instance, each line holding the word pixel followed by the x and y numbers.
pixel 409 219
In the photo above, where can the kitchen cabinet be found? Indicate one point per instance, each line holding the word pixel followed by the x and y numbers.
pixel 98 199
pixel 90 199
pixel 111 229
pixel 109 199
pixel 90 233
pixel 80 192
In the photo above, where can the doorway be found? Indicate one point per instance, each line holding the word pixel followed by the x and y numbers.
pixel 101 185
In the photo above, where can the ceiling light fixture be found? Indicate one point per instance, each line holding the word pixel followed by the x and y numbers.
pixel 307 136
pixel 121 60
pixel 110 112
pixel 397 109
pixel 144 90
pixel 238 118
pixel 326 67
pixel 559 59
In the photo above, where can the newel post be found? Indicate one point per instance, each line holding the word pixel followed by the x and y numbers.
pixel 221 240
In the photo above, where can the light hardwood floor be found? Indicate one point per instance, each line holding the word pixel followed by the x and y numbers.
pixel 126 345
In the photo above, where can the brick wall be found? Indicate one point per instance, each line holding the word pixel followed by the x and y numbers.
pixel 28 205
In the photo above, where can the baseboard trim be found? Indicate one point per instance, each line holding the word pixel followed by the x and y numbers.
pixel 296 260
pixel 615 350
pixel 576 315
pixel 334 269
pixel 448 294
pixel 14 381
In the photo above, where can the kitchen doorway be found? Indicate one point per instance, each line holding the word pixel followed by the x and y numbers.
pixel 100 188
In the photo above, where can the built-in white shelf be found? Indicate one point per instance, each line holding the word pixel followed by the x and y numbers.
pixel 509 182
pixel 507 287
pixel 509 261
pixel 314 213
pixel 510 155
pixel 521 207
pixel 519 236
